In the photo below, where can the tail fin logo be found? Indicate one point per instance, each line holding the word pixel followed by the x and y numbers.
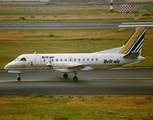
pixel 135 42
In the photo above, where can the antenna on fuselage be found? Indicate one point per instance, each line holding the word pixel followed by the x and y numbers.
pixel 34 52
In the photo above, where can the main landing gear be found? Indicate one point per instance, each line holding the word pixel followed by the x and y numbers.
pixel 75 78
pixel 65 75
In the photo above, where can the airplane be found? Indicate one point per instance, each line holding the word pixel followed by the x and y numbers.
pixel 129 53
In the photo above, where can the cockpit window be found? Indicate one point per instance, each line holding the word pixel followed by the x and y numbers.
pixel 20 59
pixel 23 59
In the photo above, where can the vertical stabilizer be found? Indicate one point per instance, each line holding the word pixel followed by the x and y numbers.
pixel 134 43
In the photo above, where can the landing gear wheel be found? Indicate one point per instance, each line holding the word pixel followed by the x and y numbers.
pixel 65 75
pixel 75 78
pixel 18 78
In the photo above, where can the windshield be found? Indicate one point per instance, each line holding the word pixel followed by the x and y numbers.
pixel 20 59
pixel 23 59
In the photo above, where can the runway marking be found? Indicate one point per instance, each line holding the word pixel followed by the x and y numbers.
pixel 137 23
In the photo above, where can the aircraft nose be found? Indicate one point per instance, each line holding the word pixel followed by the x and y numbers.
pixel 6 67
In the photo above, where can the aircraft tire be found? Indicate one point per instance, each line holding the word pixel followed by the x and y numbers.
pixel 18 78
pixel 65 75
pixel 75 78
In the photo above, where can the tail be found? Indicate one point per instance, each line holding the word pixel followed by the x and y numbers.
pixel 133 47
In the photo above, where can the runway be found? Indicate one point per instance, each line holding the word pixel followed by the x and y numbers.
pixel 71 25
pixel 106 82
pixel 54 26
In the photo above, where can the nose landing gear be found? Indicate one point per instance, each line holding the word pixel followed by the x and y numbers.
pixel 18 74
pixel 19 77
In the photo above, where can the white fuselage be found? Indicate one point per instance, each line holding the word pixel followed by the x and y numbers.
pixel 65 62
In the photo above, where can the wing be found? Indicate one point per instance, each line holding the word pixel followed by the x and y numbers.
pixel 79 67
pixel 69 67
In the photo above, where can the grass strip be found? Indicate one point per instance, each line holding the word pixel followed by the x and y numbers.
pixel 45 13
pixel 76 108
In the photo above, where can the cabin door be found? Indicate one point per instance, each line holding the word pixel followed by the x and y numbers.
pixel 37 60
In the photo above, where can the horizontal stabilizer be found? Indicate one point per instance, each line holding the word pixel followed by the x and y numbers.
pixel 131 63
pixel 133 55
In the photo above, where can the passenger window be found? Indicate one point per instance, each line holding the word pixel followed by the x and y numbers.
pixel 65 59
pixel 57 60
pixel 23 59
pixel 74 59
pixel 92 59
pixel 70 59
pixel 96 59
pixel 87 59
pixel 78 59
pixel 83 59
pixel 61 59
